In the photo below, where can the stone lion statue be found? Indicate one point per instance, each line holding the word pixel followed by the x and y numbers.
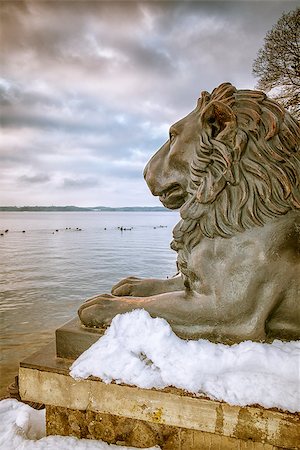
pixel 232 166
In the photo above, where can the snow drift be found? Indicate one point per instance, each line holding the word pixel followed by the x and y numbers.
pixel 142 351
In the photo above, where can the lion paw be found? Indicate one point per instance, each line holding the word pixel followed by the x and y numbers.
pixel 134 287
pixel 99 311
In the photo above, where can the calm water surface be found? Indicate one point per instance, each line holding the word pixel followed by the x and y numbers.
pixel 46 274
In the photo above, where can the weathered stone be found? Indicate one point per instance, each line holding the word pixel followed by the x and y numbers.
pixel 170 417
pixel 138 433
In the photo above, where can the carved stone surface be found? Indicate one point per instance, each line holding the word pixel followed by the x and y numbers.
pixel 232 166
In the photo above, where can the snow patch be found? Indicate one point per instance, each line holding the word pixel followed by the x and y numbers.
pixel 139 350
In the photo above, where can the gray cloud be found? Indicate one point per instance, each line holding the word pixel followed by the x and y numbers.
pixel 90 88
pixel 34 179
pixel 80 183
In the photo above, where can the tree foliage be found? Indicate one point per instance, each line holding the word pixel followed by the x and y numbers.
pixel 278 62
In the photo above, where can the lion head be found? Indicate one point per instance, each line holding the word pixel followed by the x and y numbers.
pixel 232 164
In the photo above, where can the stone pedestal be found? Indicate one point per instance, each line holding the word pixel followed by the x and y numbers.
pixel 127 415
pixel 72 339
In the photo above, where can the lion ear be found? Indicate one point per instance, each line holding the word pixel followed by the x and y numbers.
pixel 218 120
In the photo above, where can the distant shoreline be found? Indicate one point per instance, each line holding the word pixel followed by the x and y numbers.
pixel 82 209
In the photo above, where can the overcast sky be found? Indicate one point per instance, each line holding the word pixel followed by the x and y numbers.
pixel 89 89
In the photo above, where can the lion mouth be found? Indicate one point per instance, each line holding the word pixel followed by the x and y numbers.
pixel 172 197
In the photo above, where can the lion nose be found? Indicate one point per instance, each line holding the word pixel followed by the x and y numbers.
pixel 153 172
pixel 146 170
pixel 150 179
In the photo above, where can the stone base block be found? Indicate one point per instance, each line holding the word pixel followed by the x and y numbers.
pixel 139 433
pixel 138 417
pixel 73 338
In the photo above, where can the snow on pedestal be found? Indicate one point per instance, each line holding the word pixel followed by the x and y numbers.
pixel 142 351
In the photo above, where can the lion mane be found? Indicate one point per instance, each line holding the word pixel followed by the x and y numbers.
pixel 241 178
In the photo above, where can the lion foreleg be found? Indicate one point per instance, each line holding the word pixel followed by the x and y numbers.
pixel 190 315
pixel 146 287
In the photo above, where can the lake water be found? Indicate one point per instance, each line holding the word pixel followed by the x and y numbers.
pixel 46 274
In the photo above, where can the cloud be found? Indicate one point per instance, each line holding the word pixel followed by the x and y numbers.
pixel 34 179
pixel 80 183
pixel 89 89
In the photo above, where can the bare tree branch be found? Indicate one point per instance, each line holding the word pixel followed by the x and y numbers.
pixel 277 65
